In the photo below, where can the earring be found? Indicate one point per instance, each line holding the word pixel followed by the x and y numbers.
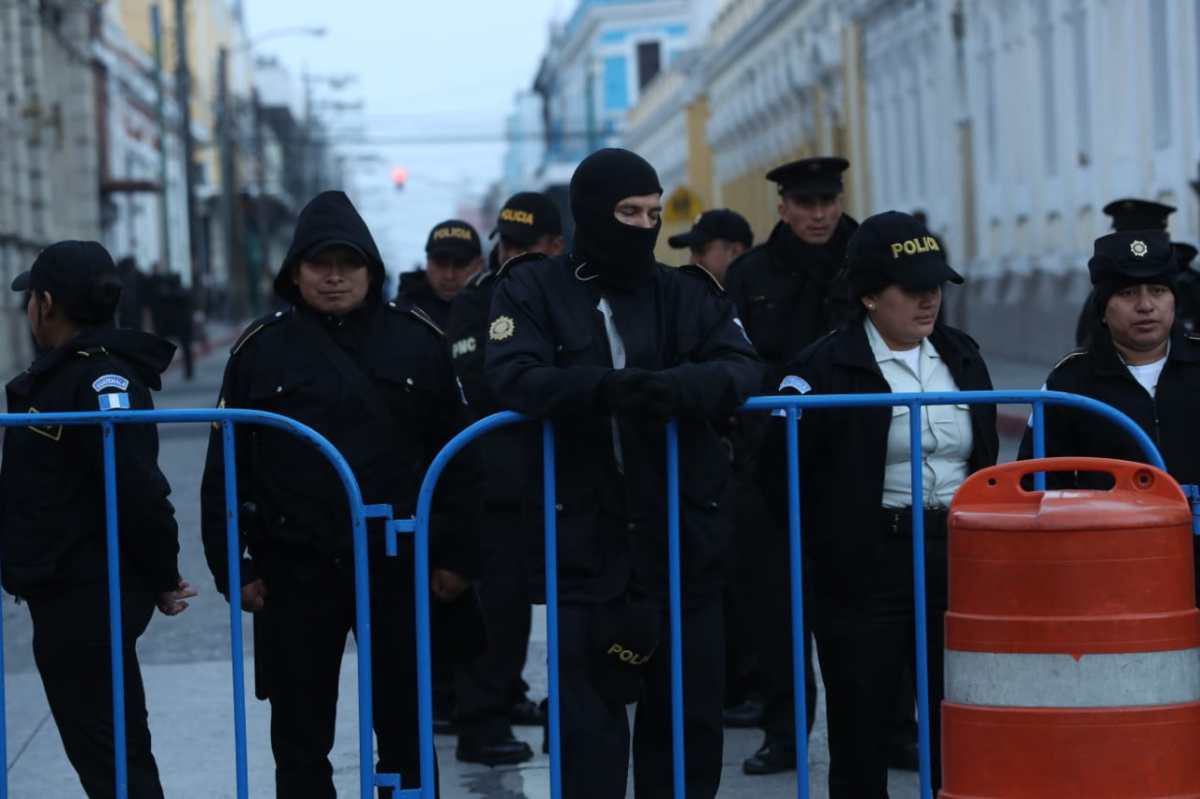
pixel 870 307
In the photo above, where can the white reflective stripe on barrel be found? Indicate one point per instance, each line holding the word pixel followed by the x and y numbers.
pixel 1028 680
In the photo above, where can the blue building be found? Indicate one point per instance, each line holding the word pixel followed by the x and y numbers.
pixel 593 72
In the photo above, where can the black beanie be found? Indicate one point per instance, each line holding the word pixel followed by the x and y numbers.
pixel 621 255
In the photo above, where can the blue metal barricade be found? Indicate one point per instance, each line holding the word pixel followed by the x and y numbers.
pixel 227 419
pixel 791 407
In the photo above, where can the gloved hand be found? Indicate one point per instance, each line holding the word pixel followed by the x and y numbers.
pixel 640 392
pixel 621 390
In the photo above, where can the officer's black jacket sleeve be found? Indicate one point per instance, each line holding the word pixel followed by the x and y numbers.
pixel 1062 435
pixel 149 534
pixel 454 526
pixel 213 520
pixel 723 370
pixel 467 334
pixel 520 367
pixel 812 440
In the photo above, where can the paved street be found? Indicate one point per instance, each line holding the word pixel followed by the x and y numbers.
pixel 186 666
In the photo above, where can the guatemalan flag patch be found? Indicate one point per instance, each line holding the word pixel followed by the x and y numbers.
pixel 117 401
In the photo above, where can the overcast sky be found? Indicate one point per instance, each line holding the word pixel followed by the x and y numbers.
pixel 426 68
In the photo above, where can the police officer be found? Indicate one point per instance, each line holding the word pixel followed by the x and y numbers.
pixel 1138 360
pixel 375 379
pixel 1187 287
pixel 716 240
pixel 453 255
pixel 490 693
pixel 1127 213
pixel 52 537
pixel 788 296
pixel 609 344
pixel 784 289
pixel 857 491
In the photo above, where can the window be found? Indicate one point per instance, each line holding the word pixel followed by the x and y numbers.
pixel 1160 77
pixel 1083 87
pixel 649 60
pixel 1049 95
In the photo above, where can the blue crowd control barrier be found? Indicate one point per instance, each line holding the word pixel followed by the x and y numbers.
pixel 791 407
pixel 226 419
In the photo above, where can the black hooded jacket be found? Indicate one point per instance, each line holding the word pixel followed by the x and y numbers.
pixel 377 382
pixel 787 293
pixel 52 537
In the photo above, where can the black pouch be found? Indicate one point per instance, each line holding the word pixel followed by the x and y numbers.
pixel 624 638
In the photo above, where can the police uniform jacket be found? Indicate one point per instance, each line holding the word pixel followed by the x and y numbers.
pixel 1169 417
pixel 500 450
pixel 377 383
pixel 787 294
pixel 415 291
pixel 844 451
pixel 547 355
pixel 53 532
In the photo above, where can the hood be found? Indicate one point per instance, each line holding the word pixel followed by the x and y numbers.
pixel 330 216
pixel 147 355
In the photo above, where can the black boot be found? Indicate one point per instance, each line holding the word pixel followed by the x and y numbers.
pixel 774 756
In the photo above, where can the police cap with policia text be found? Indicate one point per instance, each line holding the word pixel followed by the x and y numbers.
pixel 526 217
pixel 810 176
pixel 455 239
pixel 893 247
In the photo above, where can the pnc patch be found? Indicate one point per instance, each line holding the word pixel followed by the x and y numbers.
pixel 502 328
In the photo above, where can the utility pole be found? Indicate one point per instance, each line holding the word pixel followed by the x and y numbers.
pixel 164 218
pixel 235 257
pixel 183 85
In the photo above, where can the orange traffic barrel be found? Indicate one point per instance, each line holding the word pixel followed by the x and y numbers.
pixel 1072 638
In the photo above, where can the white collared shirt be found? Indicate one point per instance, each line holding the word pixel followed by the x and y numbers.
pixel 946 438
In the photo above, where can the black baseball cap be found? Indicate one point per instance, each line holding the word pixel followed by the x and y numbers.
pixel 821 175
pixel 526 217
pixel 79 275
pixel 1130 213
pixel 719 223
pixel 1139 256
pixel 893 247
pixel 455 238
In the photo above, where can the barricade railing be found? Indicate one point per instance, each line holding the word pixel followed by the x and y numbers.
pixel 791 407
pixel 227 419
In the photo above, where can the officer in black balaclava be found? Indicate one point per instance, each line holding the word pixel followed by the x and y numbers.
pixel 609 343
pixel 375 379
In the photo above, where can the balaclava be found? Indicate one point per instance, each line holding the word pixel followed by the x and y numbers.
pixel 622 255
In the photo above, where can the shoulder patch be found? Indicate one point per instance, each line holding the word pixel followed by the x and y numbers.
pixel 701 272
pixel 110 381
pixel 1068 357
pixel 502 328
pixel 417 313
pixel 254 328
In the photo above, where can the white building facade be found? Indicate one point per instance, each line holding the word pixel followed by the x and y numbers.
pixel 1013 123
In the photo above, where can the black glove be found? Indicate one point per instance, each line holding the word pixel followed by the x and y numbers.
pixel 621 390
pixel 640 392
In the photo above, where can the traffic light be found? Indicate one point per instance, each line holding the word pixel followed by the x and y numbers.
pixel 399 177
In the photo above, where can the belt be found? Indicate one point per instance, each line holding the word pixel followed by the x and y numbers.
pixel 898 521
